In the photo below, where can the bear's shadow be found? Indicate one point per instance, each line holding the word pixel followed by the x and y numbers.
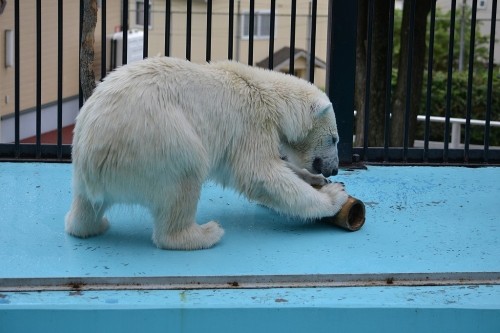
pixel 263 219
pixel 133 226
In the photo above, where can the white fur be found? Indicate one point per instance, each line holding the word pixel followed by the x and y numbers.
pixel 155 130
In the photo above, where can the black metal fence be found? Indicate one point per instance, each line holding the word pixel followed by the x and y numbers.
pixel 343 30
pixel 38 151
pixel 405 152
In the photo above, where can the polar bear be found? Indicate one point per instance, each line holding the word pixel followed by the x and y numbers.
pixel 155 130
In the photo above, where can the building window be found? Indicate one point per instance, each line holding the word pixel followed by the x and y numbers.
pixel 139 13
pixel 262 25
pixel 482 4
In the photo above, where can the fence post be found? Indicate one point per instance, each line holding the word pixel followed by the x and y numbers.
pixel 455 135
pixel 341 67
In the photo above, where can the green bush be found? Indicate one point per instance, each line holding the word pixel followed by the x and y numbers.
pixel 458 106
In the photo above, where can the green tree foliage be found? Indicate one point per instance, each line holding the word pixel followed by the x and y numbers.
pixel 459 79
pixel 459 105
pixel 442 36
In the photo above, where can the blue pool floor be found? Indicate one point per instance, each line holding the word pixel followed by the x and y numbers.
pixel 421 223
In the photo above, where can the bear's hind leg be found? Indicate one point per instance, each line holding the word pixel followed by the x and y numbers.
pixel 193 237
pixel 85 219
pixel 175 227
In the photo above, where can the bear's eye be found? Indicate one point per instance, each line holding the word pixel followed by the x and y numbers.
pixel 335 138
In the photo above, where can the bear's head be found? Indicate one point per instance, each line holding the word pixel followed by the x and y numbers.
pixel 317 151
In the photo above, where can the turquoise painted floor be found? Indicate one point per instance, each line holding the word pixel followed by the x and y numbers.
pixel 428 257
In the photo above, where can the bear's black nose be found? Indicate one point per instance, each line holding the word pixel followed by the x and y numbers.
pixel 318 167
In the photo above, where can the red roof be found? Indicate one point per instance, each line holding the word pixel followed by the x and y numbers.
pixel 51 137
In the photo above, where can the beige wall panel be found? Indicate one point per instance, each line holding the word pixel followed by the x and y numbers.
pixel 219 44
pixel 220 29
pixel 6 74
pixel 49 54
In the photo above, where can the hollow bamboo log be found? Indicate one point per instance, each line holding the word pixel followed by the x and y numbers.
pixel 350 217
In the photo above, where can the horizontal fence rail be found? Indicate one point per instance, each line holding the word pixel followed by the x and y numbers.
pixel 456 126
pixel 393 48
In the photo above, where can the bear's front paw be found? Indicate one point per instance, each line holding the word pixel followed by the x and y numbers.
pixel 308 177
pixel 316 180
pixel 337 194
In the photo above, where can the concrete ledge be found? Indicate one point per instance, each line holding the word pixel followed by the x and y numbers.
pixel 426 260
pixel 373 309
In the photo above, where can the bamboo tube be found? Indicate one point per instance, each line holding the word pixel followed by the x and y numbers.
pixel 350 217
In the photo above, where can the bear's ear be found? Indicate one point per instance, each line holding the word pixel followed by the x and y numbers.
pixel 320 108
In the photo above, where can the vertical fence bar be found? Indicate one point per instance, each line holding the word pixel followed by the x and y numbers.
pixel 38 78
pixel 60 45
pixel 312 44
pixel 371 10
pixel 125 32
pixel 430 61
pixel 168 17
pixel 293 21
pixel 388 78
pixel 340 69
pixel 209 31
pixel 449 81
pixel 469 81
pixel 17 72
pixel 230 38
pixel 103 39
pixel 272 26
pixel 490 82
pixel 189 14
pixel 145 42
pixel 80 91
pixel 251 27
pixel 409 80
